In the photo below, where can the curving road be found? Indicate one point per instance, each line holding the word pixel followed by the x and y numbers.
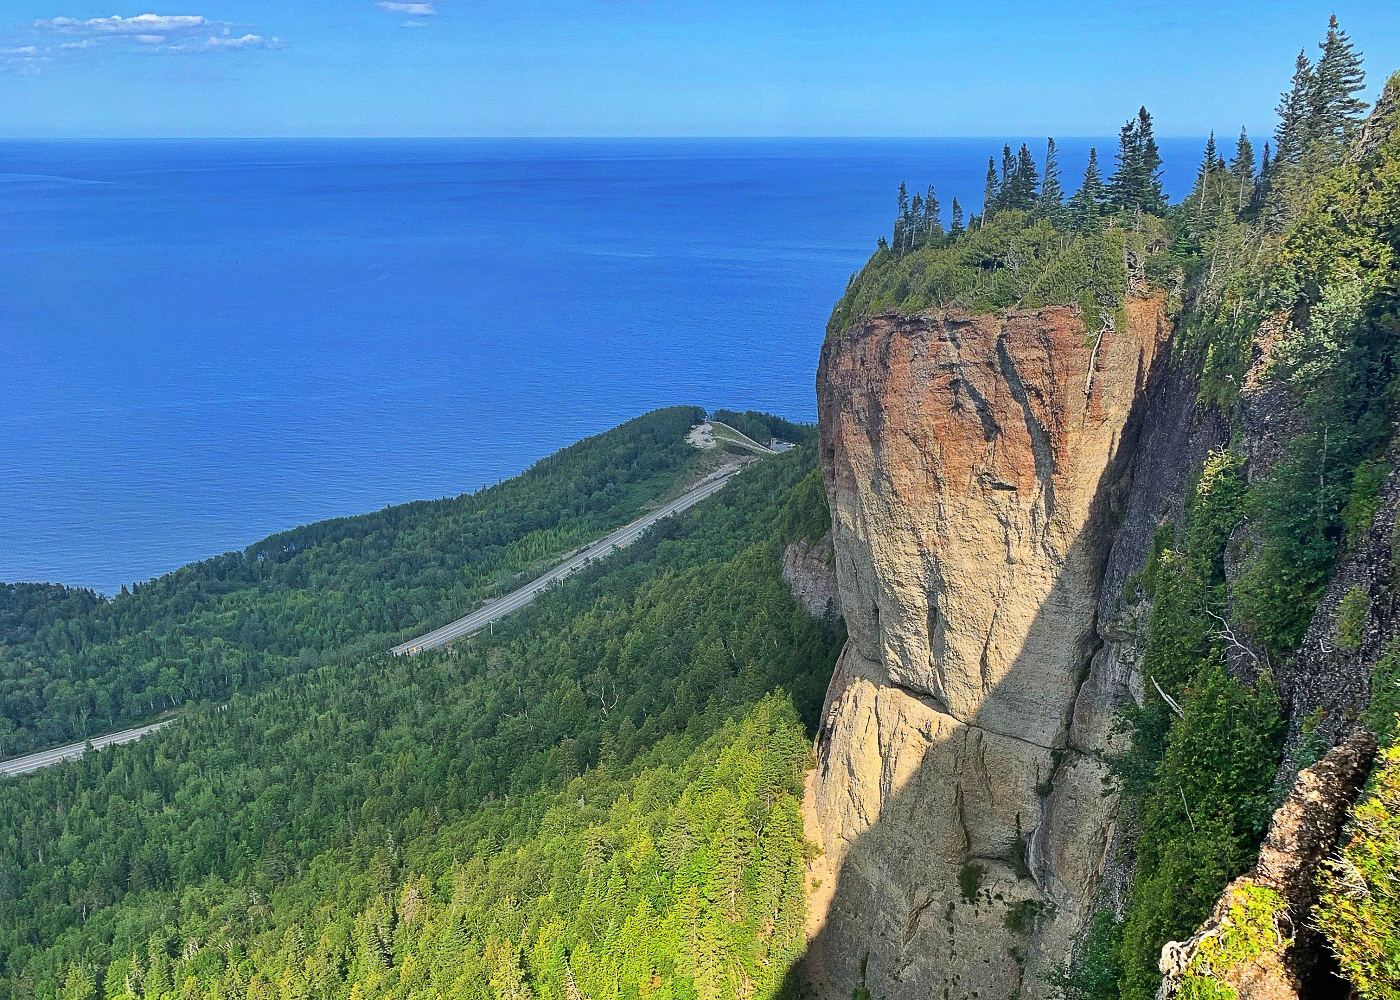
pixel 73 751
pixel 517 599
pixel 514 601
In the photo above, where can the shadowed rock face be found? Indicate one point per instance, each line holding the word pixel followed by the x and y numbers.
pixel 976 470
pixel 809 570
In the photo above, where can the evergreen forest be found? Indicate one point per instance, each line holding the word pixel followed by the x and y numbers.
pixel 73 664
pixel 603 791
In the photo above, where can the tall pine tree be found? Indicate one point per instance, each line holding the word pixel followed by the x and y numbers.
pixel 1137 183
pixel 1008 177
pixel 1335 111
pixel 914 231
pixel 957 226
pixel 1242 170
pixel 1294 111
pixel 1152 197
pixel 933 216
pixel 1052 195
pixel 1024 186
pixel 901 222
pixel 1123 184
pixel 989 194
pixel 1261 184
pixel 1085 204
pixel 1211 155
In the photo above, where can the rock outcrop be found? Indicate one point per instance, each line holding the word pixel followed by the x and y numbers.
pixel 1285 958
pixel 977 470
pixel 809 570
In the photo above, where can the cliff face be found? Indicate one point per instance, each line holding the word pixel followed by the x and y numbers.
pixel 977 469
pixel 809 570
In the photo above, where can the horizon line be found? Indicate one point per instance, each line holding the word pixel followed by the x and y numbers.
pixel 551 138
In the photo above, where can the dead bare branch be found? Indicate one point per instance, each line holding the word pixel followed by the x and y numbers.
pixel 1171 702
pixel 1228 634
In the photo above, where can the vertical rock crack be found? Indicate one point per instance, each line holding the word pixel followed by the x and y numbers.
pixel 1041 450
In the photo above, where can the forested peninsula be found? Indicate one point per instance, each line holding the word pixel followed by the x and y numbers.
pixel 1057 660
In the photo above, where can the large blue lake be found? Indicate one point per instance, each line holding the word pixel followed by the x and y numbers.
pixel 205 342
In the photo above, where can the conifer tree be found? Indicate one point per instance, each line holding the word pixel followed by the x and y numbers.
pixel 901 221
pixel 957 226
pixel 1085 204
pixel 1122 185
pixel 1208 160
pixel 1203 174
pixel 1052 195
pixel 989 194
pixel 1137 183
pixel 933 216
pixel 1261 183
pixel 913 230
pixel 1153 198
pixel 1334 109
pixel 1242 170
pixel 1294 114
pixel 1025 182
pixel 1008 177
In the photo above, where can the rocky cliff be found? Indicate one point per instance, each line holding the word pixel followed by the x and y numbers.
pixel 978 469
pixel 1273 904
pixel 809 570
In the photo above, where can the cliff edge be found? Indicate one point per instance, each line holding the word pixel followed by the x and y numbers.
pixel 976 468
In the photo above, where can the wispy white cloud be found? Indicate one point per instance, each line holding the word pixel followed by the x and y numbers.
pixel 141 24
pixel 243 42
pixel 26 60
pixel 417 9
pixel 162 32
pixel 423 8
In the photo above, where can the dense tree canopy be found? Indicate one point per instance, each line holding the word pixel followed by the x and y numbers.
pixel 366 780
pixel 74 665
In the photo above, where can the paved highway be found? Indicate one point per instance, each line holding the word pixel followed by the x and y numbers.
pixel 23 765
pixel 517 599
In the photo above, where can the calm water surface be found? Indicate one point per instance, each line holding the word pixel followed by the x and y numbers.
pixel 205 342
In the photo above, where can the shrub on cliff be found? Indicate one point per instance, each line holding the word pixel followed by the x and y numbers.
pixel 1204 762
pixel 1014 260
pixel 1332 276
pixel 1359 908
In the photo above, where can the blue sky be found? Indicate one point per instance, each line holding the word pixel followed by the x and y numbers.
pixel 657 67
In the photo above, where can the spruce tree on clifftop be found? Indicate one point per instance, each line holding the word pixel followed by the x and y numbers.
pixel 1008 175
pixel 933 216
pixel 1242 170
pixel 1052 195
pixel 1087 201
pixel 989 193
pixel 1137 183
pixel 1334 109
pixel 1024 186
pixel 1295 115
